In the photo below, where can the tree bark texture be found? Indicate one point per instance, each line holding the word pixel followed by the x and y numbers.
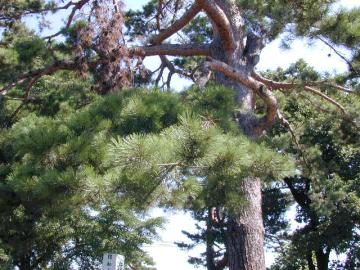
pixel 245 231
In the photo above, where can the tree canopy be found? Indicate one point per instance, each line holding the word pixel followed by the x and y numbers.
pixel 91 139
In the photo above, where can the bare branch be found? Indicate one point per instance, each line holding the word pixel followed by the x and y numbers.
pixel 77 6
pixel 178 25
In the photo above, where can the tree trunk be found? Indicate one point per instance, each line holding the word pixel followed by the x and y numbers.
pixel 210 258
pixel 25 264
pixel 310 262
pixel 322 259
pixel 245 229
pixel 245 232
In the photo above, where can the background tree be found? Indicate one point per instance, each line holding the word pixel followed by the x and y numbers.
pixel 325 192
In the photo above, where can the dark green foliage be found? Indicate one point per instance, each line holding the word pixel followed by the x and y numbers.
pixel 215 103
pixel 28 49
pixel 199 30
pixel 276 15
pixel 53 177
pixel 342 30
pixel 52 180
pixel 135 20
pixel 13 10
pixel 326 190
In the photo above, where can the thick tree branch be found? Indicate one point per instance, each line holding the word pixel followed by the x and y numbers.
pixel 177 25
pixel 172 49
pixel 257 87
pixel 223 27
pixel 254 45
pixel 163 49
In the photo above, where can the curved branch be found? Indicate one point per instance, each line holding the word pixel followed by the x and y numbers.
pixel 257 87
pixel 326 97
pixel 290 86
pixel 178 25
pixel 275 85
pixel 172 49
pixel 217 15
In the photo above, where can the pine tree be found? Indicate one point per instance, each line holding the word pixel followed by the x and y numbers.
pixel 94 44
pixel 61 204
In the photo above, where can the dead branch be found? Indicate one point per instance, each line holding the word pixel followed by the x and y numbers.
pixel 159 14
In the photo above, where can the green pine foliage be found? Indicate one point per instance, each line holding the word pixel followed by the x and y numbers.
pixel 54 187
pixel 92 171
pixel 78 172
pixel 190 151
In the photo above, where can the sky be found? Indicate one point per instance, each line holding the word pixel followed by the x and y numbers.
pixel 167 255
